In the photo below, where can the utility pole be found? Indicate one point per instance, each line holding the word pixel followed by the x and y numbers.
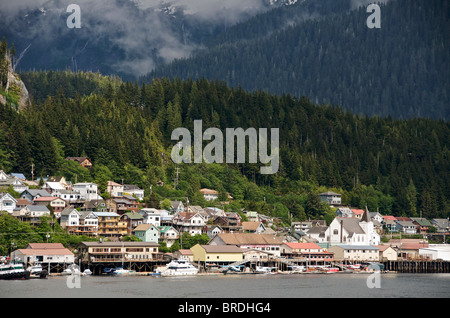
pixel 32 172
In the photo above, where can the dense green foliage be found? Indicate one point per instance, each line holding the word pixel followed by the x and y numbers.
pixel 400 69
pixel 396 166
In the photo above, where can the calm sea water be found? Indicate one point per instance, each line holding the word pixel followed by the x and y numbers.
pixel 391 285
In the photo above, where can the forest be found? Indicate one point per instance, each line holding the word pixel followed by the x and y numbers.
pixel 327 53
pixel 395 166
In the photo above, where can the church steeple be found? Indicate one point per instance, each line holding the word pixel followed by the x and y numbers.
pixel 366 217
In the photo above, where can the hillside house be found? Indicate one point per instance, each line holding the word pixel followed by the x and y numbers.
pixel 331 198
pixel 7 203
pixel 263 242
pixel 83 161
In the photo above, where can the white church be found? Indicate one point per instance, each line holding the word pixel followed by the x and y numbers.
pixel 348 230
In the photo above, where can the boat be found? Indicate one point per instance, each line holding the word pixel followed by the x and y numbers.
pixel 87 272
pixel 116 271
pixel 14 271
pixel 297 268
pixel 232 268
pixel 36 271
pixel 266 270
pixel 179 267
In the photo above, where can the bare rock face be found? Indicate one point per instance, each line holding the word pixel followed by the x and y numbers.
pixel 16 90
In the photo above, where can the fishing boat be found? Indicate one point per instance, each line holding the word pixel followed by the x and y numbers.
pixel 14 271
pixel 178 267
pixel 36 271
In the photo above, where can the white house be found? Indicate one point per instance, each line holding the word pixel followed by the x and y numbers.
pixel 67 195
pixel 34 211
pixel 7 202
pixel 344 212
pixel 407 227
pixel 193 223
pixel 168 234
pixel 88 191
pixel 53 187
pixel 151 216
pixel 115 189
pixel 70 217
pixel 209 195
pixel 331 198
pixel 133 190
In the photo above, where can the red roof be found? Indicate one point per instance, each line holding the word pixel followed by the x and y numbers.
pixel 357 211
pixel 389 217
pixel 44 199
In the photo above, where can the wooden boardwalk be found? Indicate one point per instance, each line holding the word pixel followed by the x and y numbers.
pixel 417 266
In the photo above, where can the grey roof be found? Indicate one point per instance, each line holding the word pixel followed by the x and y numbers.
pixel 351 225
pixel 35 192
pixel 38 208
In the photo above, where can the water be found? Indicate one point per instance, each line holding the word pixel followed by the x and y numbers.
pixel 392 285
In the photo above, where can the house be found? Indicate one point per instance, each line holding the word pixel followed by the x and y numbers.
pixel 441 225
pixel 357 213
pixel 118 252
pixel 376 216
pixel 253 227
pixel 176 206
pixel 387 253
pixel 31 194
pixel 132 219
pixel 115 189
pixel 147 233
pixel 344 212
pixel 79 223
pixel 390 223
pixel 168 234
pixel 359 253
pixel 331 198
pixel 214 230
pixel 407 227
pixel 209 195
pixel 83 161
pixel 263 242
pixel 88 191
pixel 59 179
pixel 109 225
pixel 151 216
pixel 33 212
pixel 69 217
pixel 422 225
pixel 217 254
pixel 257 255
pixel 133 190
pixel 304 226
pixel 193 223
pixel 53 187
pixel 69 196
pixel 57 204
pixel 7 202
pixel 8 181
pixel 408 248
pixel 95 205
pixel 121 205
pixel 44 253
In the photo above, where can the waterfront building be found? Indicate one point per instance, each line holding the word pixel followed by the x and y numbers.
pixel 263 242
pixel 359 253
pixel 217 254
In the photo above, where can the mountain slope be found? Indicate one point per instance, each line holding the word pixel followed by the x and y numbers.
pixel 401 70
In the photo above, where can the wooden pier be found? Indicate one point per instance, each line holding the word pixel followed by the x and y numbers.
pixel 417 266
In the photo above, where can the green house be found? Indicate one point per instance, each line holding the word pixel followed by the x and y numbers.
pixel 147 233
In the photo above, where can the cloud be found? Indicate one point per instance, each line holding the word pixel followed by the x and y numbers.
pixel 141 30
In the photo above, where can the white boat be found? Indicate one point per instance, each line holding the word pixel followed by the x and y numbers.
pixel 178 267
pixel 37 271
pixel 266 270
pixel 71 270
pixel 87 272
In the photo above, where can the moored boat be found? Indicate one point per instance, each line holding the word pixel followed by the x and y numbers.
pixel 178 267
pixel 14 271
